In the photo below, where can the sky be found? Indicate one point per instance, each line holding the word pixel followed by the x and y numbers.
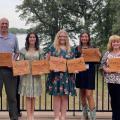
pixel 8 10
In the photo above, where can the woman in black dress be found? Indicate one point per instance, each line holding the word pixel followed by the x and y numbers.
pixel 86 80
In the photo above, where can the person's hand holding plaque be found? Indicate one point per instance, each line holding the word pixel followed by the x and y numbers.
pixel 114 64
pixel 57 64
pixel 107 70
pixel 76 65
pixel 40 67
pixel 5 59
pixel 21 67
pixel 91 54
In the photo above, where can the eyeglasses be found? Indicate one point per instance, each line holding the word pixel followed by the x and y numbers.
pixel 63 36
pixel 4 23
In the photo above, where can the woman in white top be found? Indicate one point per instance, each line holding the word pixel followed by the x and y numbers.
pixel 113 78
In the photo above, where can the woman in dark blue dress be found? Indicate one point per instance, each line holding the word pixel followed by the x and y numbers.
pixel 86 80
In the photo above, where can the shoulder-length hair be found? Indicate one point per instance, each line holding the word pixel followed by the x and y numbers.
pixel 57 43
pixel 111 39
pixel 85 32
pixel 27 44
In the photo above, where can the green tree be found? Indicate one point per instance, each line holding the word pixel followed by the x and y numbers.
pixel 115 6
pixel 106 21
pixel 100 17
pixel 49 16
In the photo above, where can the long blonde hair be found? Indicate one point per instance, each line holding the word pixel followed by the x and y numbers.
pixel 111 39
pixel 57 43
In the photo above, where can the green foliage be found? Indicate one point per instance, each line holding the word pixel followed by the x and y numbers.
pixel 115 6
pixel 47 17
pixel 106 21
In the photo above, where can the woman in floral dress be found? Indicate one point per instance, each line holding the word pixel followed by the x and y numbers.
pixel 61 84
pixel 30 86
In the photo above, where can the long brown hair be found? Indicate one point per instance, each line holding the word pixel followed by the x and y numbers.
pixel 85 32
pixel 27 41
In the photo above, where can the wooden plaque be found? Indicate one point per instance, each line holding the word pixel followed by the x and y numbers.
pixel 114 64
pixel 76 65
pixel 57 64
pixel 21 67
pixel 40 67
pixel 91 55
pixel 6 59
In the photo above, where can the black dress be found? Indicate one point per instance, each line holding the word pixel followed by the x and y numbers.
pixel 85 79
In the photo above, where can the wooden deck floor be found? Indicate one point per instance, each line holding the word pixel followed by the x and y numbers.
pixel 49 116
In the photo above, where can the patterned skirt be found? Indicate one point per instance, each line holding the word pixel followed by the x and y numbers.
pixel 30 86
pixel 60 83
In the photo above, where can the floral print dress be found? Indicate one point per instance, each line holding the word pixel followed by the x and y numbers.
pixel 61 83
pixel 30 85
pixel 110 77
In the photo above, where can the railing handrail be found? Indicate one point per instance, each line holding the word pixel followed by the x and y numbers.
pixel 74 103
